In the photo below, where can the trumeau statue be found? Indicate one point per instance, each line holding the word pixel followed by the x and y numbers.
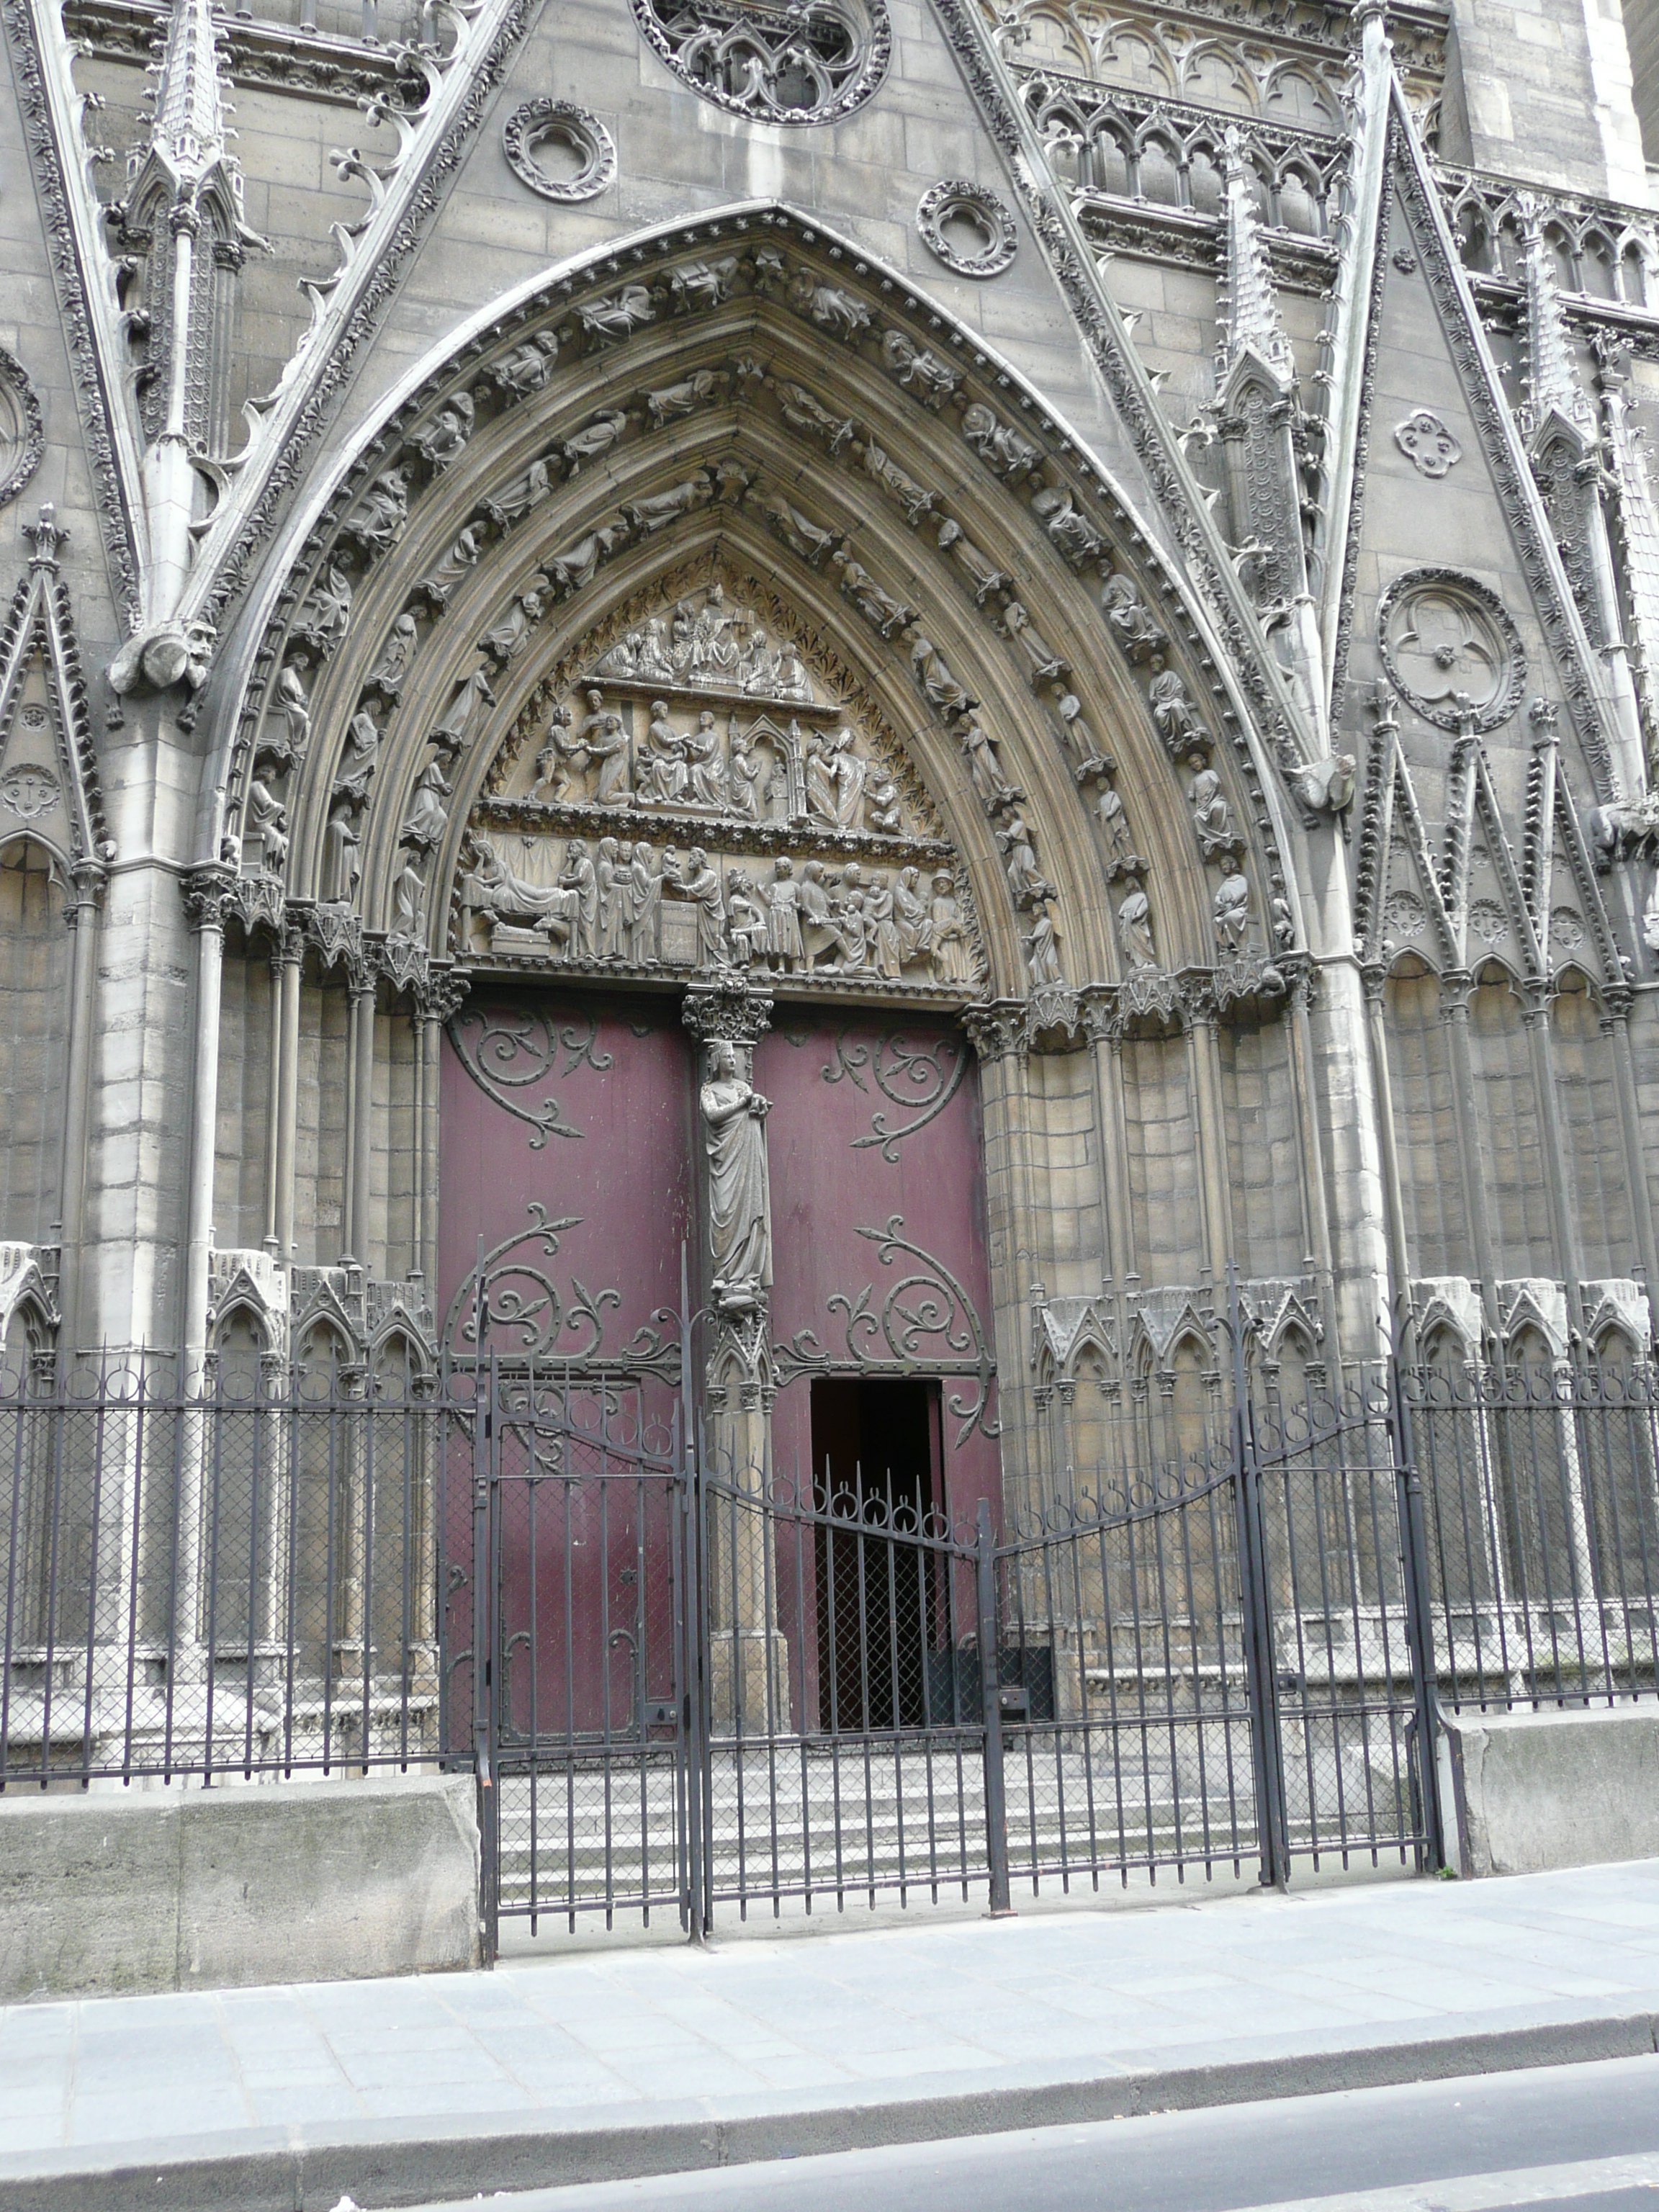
pixel 739 1194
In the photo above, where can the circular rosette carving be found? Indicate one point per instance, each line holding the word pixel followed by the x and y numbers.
pixel 559 150
pixel 801 61
pixel 22 431
pixel 968 229
pixel 1450 649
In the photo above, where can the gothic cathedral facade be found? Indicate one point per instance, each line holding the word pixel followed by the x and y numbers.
pixel 930 675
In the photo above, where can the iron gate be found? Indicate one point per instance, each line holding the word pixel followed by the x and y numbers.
pixel 711 1687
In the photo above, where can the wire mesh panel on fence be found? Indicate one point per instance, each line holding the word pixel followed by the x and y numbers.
pixel 1540 1487
pixel 232 1575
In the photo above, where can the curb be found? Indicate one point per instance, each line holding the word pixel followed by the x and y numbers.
pixel 296 2170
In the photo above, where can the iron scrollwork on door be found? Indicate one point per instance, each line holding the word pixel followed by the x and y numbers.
pixel 515 1048
pixel 924 1325
pixel 529 1318
pixel 920 1075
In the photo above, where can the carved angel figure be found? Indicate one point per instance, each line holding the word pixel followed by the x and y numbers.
pixel 802 412
pixel 325 611
pixel 999 443
pixel 739 1193
pixel 984 573
pixel 597 436
pixel 881 801
pixel 529 365
pixel 993 788
pixel 1131 623
pixel 619 315
pixel 1173 713
pixel 462 556
pixel 887 614
pixel 389 671
pixel 1072 536
pixel 922 371
pixel 915 500
pixel 830 308
pixel 509 636
pixel 377 520
pixel 439 441
pixel 682 399
pixel 429 818
pixel 797 530
pixel 649 516
pixel 577 564
pixel 515 500
pixel 934 676
pixel 1232 912
pixel 1134 929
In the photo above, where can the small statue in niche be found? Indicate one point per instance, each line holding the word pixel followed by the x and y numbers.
pixel 740 1194
pixel 389 671
pixel 409 899
pixel 783 937
pixel 578 563
pixel 1211 816
pixel 1043 951
pixel 829 307
pixel 1114 821
pixel 341 855
pixel 516 500
pixel 440 439
pixel 326 615
pixel 1070 534
pixel 528 367
pixel 429 818
pixel 1232 914
pixel 294 704
pixel 675 400
pixel 1284 924
pixel 644 905
pixel 703 284
pixel 999 443
pixel 1079 735
pixel 1326 785
pixel 459 725
pixel 1046 665
pixel 953 946
pixel 361 751
pixel 267 819
pixel 1134 929
pixel 377 520
pixel 1019 861
pixel 509 636
pixel 462 556
pixel 617 317
pixel 1173 713
pixel 984 574
pixel 650 515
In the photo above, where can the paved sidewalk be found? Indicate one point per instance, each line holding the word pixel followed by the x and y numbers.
pixel 638 2061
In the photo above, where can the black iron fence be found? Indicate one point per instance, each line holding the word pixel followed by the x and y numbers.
pixel 692 1688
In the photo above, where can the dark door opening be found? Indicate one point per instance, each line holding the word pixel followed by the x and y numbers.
pixel 877 1457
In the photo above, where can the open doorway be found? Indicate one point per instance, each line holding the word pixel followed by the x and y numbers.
pixel 877 1454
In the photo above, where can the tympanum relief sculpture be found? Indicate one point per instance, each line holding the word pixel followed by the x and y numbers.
pixel 700 801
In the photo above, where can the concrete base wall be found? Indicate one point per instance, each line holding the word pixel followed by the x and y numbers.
pixel 1535 1790
pixel 176 1889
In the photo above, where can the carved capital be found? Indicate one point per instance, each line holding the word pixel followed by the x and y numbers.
pixel 206 893
pixel 996 1029
pixel 440 998
pixel 729 1011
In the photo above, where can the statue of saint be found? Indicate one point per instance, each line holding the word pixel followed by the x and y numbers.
pixel 740 1194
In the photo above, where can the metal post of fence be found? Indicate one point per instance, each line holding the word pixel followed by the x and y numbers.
pixel 483 1625
pixel 1419 1620
pixel 693 1703
pixel 1266 1748
pixel 990 1684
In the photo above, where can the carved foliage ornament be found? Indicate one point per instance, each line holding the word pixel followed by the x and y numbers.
pixel 22 433
pixel 968 229
pixel 541 126
pixel 807 61
pixel 1450 649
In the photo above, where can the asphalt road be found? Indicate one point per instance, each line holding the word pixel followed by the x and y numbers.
pixel 1585 2137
